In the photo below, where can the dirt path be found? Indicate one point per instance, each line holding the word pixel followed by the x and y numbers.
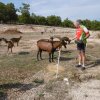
pixel 89 90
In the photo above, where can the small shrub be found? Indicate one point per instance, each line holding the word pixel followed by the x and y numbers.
pixel 39 81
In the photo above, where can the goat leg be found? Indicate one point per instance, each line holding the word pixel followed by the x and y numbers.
pixel 17 43
pixel 50 57
pixel 41 55
pixel 8 49
pixel 11 50
pixel 38 55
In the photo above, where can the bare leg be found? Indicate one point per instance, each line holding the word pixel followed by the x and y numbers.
pixel 83 58
pixel 79 57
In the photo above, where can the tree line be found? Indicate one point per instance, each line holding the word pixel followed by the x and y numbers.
pixel 9 14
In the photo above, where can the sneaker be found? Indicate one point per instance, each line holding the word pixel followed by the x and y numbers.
pixel 78 66
pixel 83 68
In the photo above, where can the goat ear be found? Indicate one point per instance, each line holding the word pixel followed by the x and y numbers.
pixel 51 37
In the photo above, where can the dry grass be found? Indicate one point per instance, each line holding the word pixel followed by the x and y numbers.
pixel 90 46
pixel 22 65
pixel 53 68
pixel 17 67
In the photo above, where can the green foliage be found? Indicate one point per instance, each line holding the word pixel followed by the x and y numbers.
pixel 8 15
pixel 11 12
pixel 25 14
pixel 25 8
pixel 92 25
pixel 2 12
pixel 54 20
pixel 24 18
pixel 39 20
pixel 67 23
pixel 40 81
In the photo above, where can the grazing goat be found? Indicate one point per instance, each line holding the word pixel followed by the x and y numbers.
pixel 49 46
pixel 10 44
pixel 16 40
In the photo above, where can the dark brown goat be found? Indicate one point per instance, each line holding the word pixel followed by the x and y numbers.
pixel 16 40
pixel 9 43
pixel 66 39
pixel 49 46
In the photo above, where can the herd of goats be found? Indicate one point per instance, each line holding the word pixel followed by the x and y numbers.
pixel 48 45
pixel 10 43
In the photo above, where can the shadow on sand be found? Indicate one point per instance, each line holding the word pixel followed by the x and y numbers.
pixel 19 86
pixel 66 59
pixel 93 64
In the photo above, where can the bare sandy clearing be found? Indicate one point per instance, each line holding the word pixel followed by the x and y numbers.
pixel 22 66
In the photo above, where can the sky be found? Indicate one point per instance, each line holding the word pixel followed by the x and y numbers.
pixel 72 9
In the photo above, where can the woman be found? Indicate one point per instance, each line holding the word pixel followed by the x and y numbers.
pixel 81 36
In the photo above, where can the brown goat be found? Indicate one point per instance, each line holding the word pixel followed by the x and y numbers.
pixel 9 43
pixel 49 46
pixel 16 40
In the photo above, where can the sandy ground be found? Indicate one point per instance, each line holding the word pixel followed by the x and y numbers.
pixel 89 90
pixel 88 85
